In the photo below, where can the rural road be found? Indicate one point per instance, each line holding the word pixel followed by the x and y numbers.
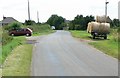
pixel 59 54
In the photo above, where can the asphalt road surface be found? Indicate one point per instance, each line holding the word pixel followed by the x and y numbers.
pixel 59 54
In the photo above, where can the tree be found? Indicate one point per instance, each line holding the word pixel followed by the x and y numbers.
pixel 77 27
pixel 63 26
pixel 80 22
pixel 87 20
pixel 115 23
pixel 56 21
pixel 71 25
pixel 29 22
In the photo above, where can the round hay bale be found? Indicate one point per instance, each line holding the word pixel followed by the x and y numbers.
pixel 104 28
pixel 102 19
pixel 93 27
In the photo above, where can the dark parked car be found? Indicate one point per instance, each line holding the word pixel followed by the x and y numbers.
pixel 19 32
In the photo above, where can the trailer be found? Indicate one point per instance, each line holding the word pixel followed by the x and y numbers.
pixel 98 29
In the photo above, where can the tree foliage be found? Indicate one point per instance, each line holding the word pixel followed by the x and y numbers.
pixel 29 22
pixel 80 22
pixel 56 21
pixel 115 23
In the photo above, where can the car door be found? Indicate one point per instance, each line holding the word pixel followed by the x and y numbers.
pixel 20 32
pixel 17 32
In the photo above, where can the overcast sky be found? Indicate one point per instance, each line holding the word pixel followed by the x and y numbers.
pixel 65 8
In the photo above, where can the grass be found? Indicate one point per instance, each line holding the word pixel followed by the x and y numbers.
pixel 7 49
pixel 80 34
pixel 0 43
pixel 18 63
pixel 0 49
pixel 43 33
pixel 0 34
pixel 0 73
pixel 109 46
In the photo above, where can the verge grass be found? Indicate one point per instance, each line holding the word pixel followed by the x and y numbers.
pixel 80 34
pixel 1 44
pixel 43 33
pixel 18 63
pixel 109 46
pixel 7 49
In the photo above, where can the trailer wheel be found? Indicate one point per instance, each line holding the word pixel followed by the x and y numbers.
pixel 105 37
pixel 93 36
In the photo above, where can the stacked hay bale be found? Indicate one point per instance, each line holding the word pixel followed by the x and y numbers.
pixel 102 19
pixel 99 28
pixel 93 26
pixel 104 28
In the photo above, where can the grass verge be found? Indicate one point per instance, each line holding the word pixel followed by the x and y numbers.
pixel 43 33
pixel 7 49
pixel 109 46
pixel 18 62
pixel 80 34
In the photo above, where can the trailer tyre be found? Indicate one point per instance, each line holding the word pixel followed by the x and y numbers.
pixel 105 37
pixel 93 36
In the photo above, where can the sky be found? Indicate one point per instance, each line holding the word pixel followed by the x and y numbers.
pixel 65 8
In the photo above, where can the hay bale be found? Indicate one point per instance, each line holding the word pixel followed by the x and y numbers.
pixel 88 27
pixel 98 27
pixel 93 27
pixel 104 28
pixel 101 19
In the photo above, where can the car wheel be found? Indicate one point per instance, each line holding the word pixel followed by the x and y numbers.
pixel 27 34
pixel 12 34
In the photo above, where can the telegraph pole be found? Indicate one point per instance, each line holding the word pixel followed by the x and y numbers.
pixel 106 2
pixel 28 10
pixel 119 10
pixel 38 16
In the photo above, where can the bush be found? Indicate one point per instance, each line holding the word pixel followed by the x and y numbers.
pixel 6 38
pixel 1 35
pixel 116 34
pixel 40 28
pixel 119 34
pixel 14 25
pixel 71 26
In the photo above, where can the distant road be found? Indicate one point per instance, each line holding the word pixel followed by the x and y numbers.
pixel 59 54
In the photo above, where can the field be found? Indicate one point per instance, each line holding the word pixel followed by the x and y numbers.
pixel 109 46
